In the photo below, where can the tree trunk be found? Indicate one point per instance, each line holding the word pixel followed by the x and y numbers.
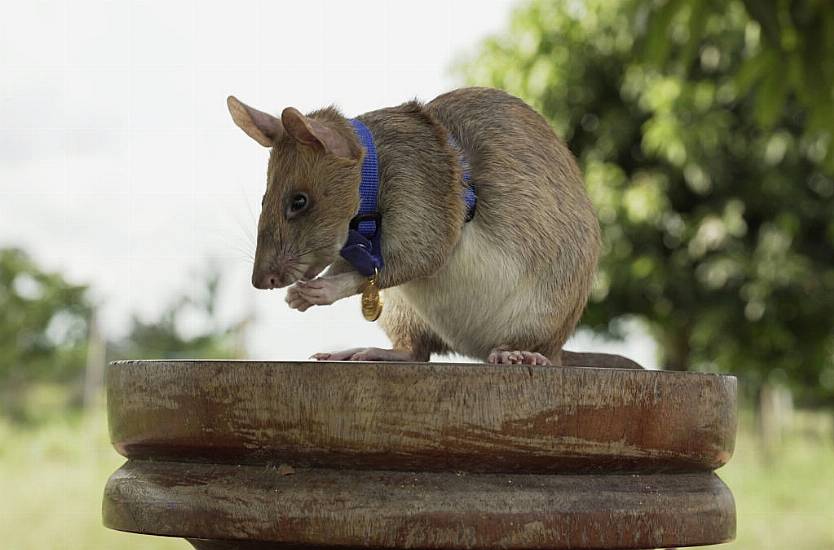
pixel 94 371
pixel 774 417
pixel 676 348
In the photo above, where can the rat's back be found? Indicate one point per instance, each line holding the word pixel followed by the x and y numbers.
pixel 520 169
pixel 524 265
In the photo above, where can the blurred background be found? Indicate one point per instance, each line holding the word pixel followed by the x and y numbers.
pixel 128 202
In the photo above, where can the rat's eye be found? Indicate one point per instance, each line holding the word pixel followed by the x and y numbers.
pixel 298 203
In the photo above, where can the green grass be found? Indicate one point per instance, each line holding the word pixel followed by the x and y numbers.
pixel 52 477
pixel 785 498
pixel 51 481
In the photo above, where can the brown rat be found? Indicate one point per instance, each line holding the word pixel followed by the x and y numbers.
pixel 508 286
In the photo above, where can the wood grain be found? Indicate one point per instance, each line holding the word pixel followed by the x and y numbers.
pixel 425 417
pixel 385 509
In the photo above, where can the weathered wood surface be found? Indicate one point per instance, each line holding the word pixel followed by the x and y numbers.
pixel 425 417
pixel 387 509
pixel 291 456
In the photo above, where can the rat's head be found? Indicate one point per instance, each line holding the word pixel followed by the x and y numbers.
pixel 311 190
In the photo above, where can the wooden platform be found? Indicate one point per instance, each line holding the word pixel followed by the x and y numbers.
pixel 376 455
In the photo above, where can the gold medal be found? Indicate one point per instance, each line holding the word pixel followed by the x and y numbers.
pixel 371 300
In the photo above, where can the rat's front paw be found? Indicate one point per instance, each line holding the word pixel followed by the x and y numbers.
pixel 296 299
pixel 318 292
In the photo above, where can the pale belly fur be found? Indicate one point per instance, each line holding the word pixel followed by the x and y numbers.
pixel 481 298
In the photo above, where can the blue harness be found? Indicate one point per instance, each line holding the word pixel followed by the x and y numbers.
pixel 363 248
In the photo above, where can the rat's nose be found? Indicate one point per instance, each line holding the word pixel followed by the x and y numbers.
pixel 268 280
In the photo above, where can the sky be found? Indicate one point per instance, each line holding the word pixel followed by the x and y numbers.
pixel 120 165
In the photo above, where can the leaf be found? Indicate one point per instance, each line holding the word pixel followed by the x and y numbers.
pixel 770 99
pixel 752 70
pixel 697 23
pixel 656 46
pixel 764 12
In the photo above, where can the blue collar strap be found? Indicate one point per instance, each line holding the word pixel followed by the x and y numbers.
pixel 363 248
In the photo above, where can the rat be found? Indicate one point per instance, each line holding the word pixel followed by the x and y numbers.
pixel 504 280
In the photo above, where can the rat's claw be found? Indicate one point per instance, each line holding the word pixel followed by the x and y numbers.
pixel 379 354
pixel 366 354
pixel 344 355
pixel 514 357
pixel 298 303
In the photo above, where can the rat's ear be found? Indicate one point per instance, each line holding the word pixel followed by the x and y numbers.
pixel 310 131
pixel 262 127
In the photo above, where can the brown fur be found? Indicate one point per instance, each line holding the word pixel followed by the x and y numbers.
pixel 311 242
pixel 517 275
pixel 533 195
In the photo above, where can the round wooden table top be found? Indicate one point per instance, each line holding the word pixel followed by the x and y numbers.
pixel 304 455
pixel 422 416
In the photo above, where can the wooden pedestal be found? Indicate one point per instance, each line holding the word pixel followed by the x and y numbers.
pixel 272 455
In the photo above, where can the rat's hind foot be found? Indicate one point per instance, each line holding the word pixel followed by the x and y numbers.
pixel 501 356
pixel 366 354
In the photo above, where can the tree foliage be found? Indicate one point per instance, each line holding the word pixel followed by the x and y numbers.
pixel 43 322
pixel 716 205
pixel 167 337
pixel 45 325
pixel 43 330
pixel 789 53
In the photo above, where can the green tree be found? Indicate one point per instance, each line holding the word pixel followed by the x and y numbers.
pixel 790 54
pixel 43 327
pixel 45 324
pixel 166 338
pixel 718 228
